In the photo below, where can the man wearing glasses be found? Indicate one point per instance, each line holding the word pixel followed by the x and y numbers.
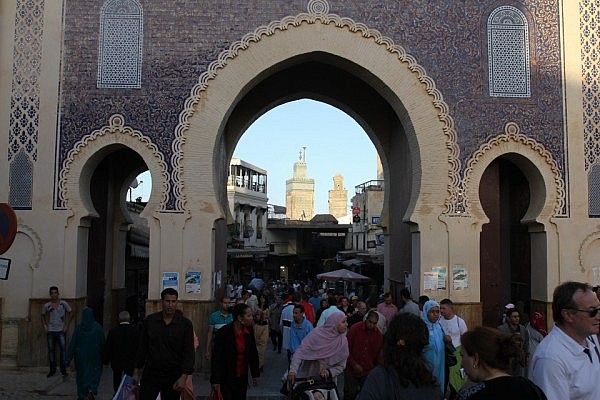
pixel 566 364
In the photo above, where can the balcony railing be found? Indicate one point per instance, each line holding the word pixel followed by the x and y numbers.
pixel 370 186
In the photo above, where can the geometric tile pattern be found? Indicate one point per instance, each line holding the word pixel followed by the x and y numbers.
pixel 589 11
pixel 188 38
pixel 25 98
pixel 120 45
pixel 20 181
pixel 508 53
pixel 594 191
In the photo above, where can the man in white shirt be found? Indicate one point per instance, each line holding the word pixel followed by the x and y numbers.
pixel 566 364
pixel 328 311
pixel 453 326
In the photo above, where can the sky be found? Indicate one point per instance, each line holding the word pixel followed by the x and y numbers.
pixel 334 143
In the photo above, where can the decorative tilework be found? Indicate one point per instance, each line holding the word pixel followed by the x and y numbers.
pixel 589 24
pixel 441 35
pixel 120 48
pixel 25 100
pixel 403 57
pixel 590 36
pixel 508 53
pixel 594 190
pixel 20 181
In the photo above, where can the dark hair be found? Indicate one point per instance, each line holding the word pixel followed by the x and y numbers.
pixel 495 349
pixel 447 302
pixel 512 311
pixel 296 297
pixel 423 299
pixel 408 360
pixel 371 312
pixel 223 298
pixel 299 307
pixel 323 301
pixel 563 298
pixel 168 292
pixel 387 295
pixel 239 309
pixel 331 301
pixel 53 288
pixel 405 293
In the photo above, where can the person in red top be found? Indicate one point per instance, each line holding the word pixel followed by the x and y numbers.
pixel 234 351
pixel 309 311
pixel 365 343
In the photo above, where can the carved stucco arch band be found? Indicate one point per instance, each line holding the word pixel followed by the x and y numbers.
pixel 513 141
pixel 116 132
pixel 38 249
pixel 318 14
pixel 584 246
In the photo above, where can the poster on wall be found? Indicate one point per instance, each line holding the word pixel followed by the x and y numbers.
pixel 442 273
pixel 4 268
pixel 193 281
pixel 430 280
pixel 170 280
pixel 460 277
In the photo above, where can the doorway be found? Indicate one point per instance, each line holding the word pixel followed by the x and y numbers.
pixel 505 242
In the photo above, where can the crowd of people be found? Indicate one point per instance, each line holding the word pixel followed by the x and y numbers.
pixel 371 348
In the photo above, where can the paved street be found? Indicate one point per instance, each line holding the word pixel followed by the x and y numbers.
pixel 31 383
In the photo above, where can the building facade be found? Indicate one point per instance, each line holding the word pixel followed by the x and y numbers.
pixel 247 197
pixel 338 198
pixel 300 192
pixel 471 105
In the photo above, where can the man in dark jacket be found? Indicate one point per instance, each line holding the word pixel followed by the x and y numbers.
pixel 121 348
pixel 233 351
pixel 166 351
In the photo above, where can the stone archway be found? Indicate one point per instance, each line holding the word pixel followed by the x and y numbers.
pixel 407 87
pixel 86 154
pixel 545 187
pixel 541 171
pixel 75 184
pixel 199 148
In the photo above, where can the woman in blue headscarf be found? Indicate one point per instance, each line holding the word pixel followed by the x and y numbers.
pixel 86 347
pixel 434 352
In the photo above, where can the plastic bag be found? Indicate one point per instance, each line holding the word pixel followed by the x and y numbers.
pixel 128 389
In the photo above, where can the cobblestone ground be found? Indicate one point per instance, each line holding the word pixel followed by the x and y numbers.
pixel 31 383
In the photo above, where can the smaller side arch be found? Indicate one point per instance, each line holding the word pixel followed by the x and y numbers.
pixel 535 161
pixel 38 248
pixel 80 163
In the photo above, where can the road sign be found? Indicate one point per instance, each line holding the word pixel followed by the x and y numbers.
pixel 8 227
pixel 355 210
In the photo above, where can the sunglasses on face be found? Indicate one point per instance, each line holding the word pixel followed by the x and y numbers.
pixel 590 313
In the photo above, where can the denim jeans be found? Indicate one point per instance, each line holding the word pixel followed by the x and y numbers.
pixel 53 339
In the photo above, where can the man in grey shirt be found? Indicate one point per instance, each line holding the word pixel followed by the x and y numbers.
pixel 56 315
pixel 409 305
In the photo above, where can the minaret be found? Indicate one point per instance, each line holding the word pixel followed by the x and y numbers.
pixel 300 192
pixel 338 198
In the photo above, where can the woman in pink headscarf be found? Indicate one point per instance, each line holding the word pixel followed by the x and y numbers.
pixel 323 352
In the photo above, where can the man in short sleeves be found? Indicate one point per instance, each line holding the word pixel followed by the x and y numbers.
pixel 566 364
pixel 56 316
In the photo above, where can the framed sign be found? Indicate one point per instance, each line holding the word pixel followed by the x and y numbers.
pixel 4 268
